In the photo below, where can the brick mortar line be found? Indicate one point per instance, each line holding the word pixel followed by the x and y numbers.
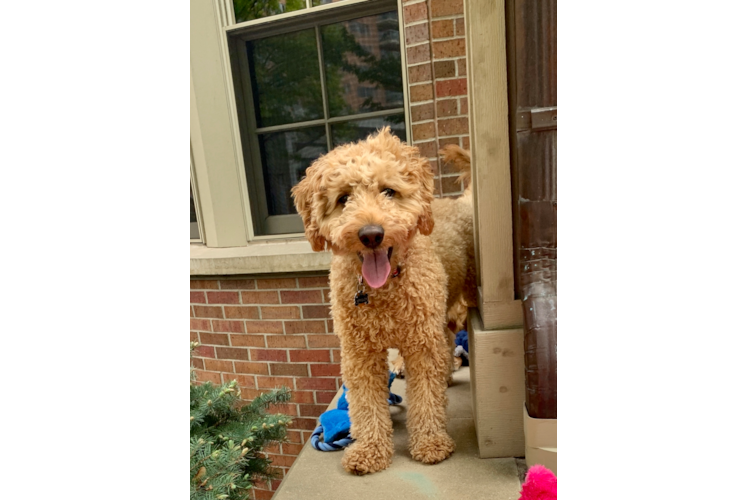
pixel 449 117
pixel 416 23
pixel 280 349
pixel 454 137
pixel 451 59
pixel 421 123
pixel 455 58
pixel 454 98
pixel 449 38
pixel 230 289
pixel 448 16
pixel 262 305
pixel 283 288
pixel 199 330
pixel 418 44
pixel 452 16
pixel 192 304
pixel 276 319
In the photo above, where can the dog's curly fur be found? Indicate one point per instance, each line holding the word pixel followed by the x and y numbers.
pixel 432 243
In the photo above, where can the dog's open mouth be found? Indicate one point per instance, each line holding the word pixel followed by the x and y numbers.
pixel 376 266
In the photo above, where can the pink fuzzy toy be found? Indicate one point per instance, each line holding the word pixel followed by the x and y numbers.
pixel 540 484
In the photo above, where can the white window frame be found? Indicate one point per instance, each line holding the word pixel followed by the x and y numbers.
pixel 219 178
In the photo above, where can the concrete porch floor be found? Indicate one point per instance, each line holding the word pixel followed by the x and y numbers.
pixel 319 475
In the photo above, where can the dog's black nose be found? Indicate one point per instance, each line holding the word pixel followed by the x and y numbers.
pixel 371 236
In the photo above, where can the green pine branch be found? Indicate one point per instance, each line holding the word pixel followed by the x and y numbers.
pixel 228 436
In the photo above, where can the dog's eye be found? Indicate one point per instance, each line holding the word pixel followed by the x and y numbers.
pixel 343 199
pixel 389 192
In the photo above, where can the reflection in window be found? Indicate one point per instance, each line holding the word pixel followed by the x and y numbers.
pixel 362 54
pixel 194 231
pixel 285 157
pixel 285 78
pixel 246 10
pixel 345 132
pixel 358 28
pixel 293 115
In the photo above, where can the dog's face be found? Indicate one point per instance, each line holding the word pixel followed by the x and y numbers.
pixel 368 200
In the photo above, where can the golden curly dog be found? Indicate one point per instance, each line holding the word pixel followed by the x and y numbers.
pixel 406 258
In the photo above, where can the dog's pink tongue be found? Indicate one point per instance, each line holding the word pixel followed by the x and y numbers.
pixel 376 268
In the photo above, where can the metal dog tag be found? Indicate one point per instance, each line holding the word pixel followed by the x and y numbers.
pixel 361 296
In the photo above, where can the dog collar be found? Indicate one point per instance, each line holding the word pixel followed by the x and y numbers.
pixel 397 272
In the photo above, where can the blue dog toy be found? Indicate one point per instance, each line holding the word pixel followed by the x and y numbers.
pixel 461 349
pixel 335 425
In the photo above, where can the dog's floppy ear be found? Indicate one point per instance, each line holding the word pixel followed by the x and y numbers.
pixel 425 176
pixel 303 198
pixel 426 222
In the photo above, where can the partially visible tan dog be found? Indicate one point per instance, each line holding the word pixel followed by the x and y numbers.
pixel 400 260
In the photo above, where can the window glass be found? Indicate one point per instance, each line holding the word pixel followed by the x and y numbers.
pixel 323 2
pixel 246 10
pixel 194 231
pixel 352 131
pixel 285 157
pixel 285 78
pixel 363 70
pixel 311 90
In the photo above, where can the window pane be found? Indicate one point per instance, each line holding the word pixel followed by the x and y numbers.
pixel 352 131
pixel 194 232
pixel 285 157
pixel 362 65
pixel 284 71
pixel 246 10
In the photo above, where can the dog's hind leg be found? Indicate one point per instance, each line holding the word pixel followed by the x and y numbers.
pixel 366 376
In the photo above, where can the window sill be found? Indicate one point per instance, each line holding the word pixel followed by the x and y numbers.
pixel 260 257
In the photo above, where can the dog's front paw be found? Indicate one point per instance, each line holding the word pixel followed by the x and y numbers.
pixel 362 458
pixel 432 449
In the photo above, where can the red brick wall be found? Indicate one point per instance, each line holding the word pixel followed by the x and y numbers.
pixel 267 333
pixel 437 77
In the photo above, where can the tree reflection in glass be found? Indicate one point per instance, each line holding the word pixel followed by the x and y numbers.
pixel 284 72
pixel 285 158
pixel 362 65
pixel 355 130
pixel 246 10
pixel 362 74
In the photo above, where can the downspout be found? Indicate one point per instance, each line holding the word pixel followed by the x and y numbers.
pixel 537 282
pixel 539 305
